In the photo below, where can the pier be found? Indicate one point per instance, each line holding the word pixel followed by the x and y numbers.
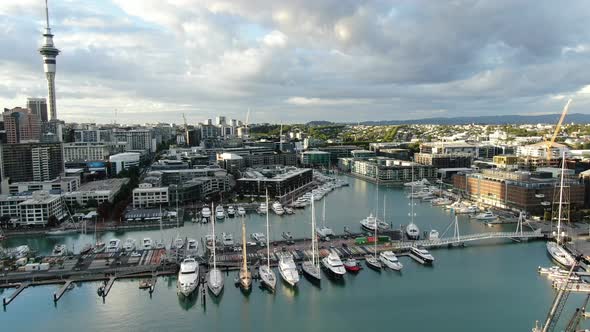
pixel 19 289
pixel 57 295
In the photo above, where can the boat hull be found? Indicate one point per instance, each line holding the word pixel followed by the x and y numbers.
pixel 559 254
pixel 268 278
pixel 215 282
pixel 311 271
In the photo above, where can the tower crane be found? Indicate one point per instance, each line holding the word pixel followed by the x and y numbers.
pixel 549 143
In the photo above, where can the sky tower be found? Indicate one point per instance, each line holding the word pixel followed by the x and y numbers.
pixel 49 53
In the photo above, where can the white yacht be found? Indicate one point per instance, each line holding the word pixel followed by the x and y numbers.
pixel 206 212
pixel 333 264
pixel 288 269
pixel 559 254
pixel 231 212
pixel 312 267
pixel 227 239
pixel 178 242
pixel 278 208
pixel 370 222
pixel 258 237
pixel 433 235
pixel 188 276
pixel 21 251
pixel 488 215
pixel 324 232
pixel 418 183
pixel 219 212
pixel 412 231
pixel 241 211
pixel 192 247
pixel 214 276
pixel 59 250
pixel 114 245
pixel 466 210
pixel 390 260
pixel 441 201
pixel 421 255
pixel 262 208
pixel 129 244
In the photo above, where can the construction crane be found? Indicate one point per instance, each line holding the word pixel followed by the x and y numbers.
pixel 549 143
pixel 186 135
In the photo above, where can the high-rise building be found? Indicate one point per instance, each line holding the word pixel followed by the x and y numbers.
pixel 38 106
pixel 31 161
pixel 21 125
pixel 220 120
pixel 49 53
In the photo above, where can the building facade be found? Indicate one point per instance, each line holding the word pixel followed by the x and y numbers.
pixel 278 181
pixel 457 160
pixel 27 162
pixel 21 125
pixel 38 106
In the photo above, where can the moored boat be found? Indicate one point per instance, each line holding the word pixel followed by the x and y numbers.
pixel 188 276
pixel 389 259
pixel 421 255
pixel 214 276
pixel 334 265
pixel 288 269
pixel 412 231
pixel 351 265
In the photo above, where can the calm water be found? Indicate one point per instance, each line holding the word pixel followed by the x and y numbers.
pixel 490 287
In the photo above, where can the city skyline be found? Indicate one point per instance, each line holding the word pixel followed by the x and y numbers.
pixel 298 62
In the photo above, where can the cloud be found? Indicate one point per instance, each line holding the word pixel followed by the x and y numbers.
pixel 299 60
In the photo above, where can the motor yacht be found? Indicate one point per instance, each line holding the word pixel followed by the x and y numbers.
pixel 278 208
pixel 99 247
pixel 421 255
pixel 129 244
pixel 206 212
pixel 433 235
pixel 262 208
pixel 371 221
pixel 324 232
pixel 389 259
pixel 114 245
pixel 231 212
pixel 412 231
pixel 188 276
pixel 219 212
pixel 241 211
pixel 59 250
pixel 488 215
pixel 227 239
pixel 288 269
pixel 147 244
pixel 209 239
pixel 192 247
pixel 333 264
pixel 258 237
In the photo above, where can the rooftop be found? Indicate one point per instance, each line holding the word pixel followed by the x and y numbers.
pixel 104 185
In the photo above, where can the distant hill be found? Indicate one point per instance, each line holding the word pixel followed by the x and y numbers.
pixel 319 123
pixel 492 119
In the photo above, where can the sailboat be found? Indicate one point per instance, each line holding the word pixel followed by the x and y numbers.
pixel 557 252
pixel 266 273
pixel 178 242
pixel 245 275
pixel 159 245
pixel 214 276
pixel 323 231
pixel 311 268
pixel 372 260
pixel 412 230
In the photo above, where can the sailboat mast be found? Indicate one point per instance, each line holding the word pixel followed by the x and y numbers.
pixel 313 260
pixel 161 231
pixel 214 238
pixel 267 234
pixel 324 214
pixel 244 263
pixel 375 239
pixel 384 208
pixel 560 198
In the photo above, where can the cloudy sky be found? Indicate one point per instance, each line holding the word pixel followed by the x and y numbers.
pixel 299 60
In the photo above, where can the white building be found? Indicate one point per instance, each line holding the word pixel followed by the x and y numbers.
pixel 539 150
pixel 100 191
pixel 37 209
pixel 123 161
pixel 148 196
pixel 137 139
pixel 450 148
pixel 63 184
pixel 90 151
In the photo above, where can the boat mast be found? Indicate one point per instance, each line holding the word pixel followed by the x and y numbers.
pixel 214 239
pixel 244 263
pixel 384 208
pixel 161 231
pixel 324 214
pixel 313 258
pixel 375 239
pixel 267 234
pixel 560 197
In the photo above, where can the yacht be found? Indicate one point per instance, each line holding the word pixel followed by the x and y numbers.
pixel 311 267
pixel 206 212
pixel 245 275
pixel 324 232
pixel 21 251
pixel 266 274
pixel 99 247
pixel 178 243
pixel 214 276
pixel 288 269
pixel 441 201
pixel 147 244
pixel 114 245
pixel 390 260
pixel 59 250
pixel 188 276
pixel 258 237
pixel 192 247
pixel 369 223
pixel 289 210
pixel 333 264
pixel 86 249
pixel 373 262
pixel 231 212
pixel 488 215
pixel 227 239
pixel 241 211
pixel 559 254
pixel 433 235
pixel 278 208
pixel 421 255
pixel 466 210
pixel 352 265
pixel 262 208
pixel 412 231
pixel 419 183
pixel 129 244
pixel 219 212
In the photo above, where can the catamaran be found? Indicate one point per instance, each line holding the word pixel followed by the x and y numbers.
pixel 266 273
pixel 557 252
pixel 245 275
pixel 312 267
pixel 214 276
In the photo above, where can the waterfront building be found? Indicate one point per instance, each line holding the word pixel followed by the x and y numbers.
pixel 32 209
pixel 314 158
pixel 338 151
pixel 362 154
pixel 63 184
pixel 38 106
pixel 529 191
pixel 391 171
pixel 231 162
pixel 26 162
pixel 279 181
pixel 121 161
pixel 21 125
pixel 400 154
pixel 454 160
pixel 147 195
pixel 99 191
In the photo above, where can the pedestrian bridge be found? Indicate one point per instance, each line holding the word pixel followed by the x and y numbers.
pixel 457 240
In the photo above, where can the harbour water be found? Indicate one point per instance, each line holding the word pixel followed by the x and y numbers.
pixel 489 286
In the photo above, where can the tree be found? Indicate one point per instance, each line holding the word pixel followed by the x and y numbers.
pixel 92 203
pixel 52 221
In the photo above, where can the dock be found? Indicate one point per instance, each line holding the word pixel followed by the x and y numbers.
pixel 19 289
pixel 57 295
pixel 108 286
